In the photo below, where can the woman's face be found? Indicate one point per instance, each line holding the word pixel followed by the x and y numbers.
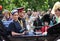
pixel 15 16
pixel 57 12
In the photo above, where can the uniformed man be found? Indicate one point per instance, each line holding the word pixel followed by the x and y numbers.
pixel 21 17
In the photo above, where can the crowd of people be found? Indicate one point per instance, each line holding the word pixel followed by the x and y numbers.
pixel 20 22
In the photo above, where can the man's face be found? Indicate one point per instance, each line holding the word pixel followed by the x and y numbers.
pixel 21 14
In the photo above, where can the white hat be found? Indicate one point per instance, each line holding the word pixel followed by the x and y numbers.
pixel 14 11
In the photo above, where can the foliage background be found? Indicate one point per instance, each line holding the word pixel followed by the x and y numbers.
pixel 33 4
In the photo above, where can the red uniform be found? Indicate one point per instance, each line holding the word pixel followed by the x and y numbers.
pixel 44 28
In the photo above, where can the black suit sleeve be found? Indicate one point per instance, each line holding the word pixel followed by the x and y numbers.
pixel 12 27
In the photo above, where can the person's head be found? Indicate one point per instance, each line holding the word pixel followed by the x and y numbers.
pixel 57 12
pixel 29 12
pixel 46 23
pixel 21 12
pixel 35 14
pixel 46 19
pixel 15 14
pixel 56 9
pixel 6 13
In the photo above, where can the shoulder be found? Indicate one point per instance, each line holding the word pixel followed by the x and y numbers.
pixel 23 19
pixel 1 22
pixel 11 24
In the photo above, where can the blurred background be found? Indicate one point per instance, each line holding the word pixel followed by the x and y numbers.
pixel 33 4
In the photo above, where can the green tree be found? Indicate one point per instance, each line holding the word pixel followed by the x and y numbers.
pixel 33 4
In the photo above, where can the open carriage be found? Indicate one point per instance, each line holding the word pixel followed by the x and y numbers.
pixel 53 34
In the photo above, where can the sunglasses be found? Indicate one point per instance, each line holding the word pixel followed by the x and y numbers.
pixel 58 9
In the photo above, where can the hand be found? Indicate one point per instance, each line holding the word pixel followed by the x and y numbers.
pixel 45 33
pixel 23 33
